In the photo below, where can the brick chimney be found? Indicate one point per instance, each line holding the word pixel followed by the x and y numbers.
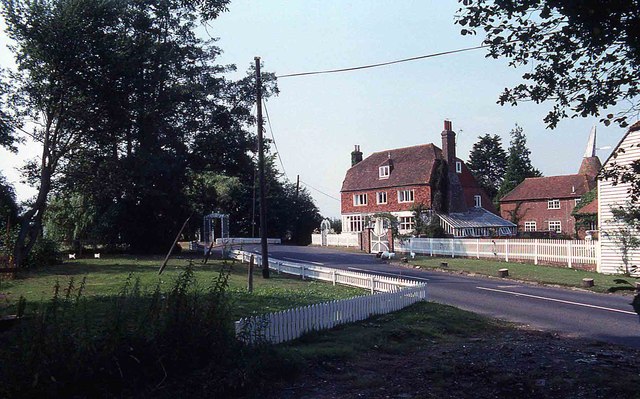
pixel 455 196
pixel 449 146
pixel 356 156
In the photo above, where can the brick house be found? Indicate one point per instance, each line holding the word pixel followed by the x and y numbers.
pixel 396 180
pixel 546 203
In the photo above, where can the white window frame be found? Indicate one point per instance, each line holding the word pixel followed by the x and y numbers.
pixel 384 171
pixel 405 196
pixel 458 167
pixel 360 199
pixel 553 204
pixel 530 225
pixel 557 224
pixel 381 197
pixel 355 223
pixel 477 199
pixel 406 223
pixel 577 201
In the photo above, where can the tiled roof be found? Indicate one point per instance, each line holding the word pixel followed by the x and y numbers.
pixel 411 166
pixel 540 188
pixel 590 166
pixel 475 217
pixel 590 209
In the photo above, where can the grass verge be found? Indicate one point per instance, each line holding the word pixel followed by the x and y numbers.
pixel 533 273
pixel 431 350
pixel 105 278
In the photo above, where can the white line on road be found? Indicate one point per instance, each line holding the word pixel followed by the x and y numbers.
pixel 558 300
pixel 388 274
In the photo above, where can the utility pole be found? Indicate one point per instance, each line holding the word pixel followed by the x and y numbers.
pixel 297 186
pixel 263 200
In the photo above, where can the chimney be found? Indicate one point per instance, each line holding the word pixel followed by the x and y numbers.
pixel 456 201
pixel 449 146
pixel 356 156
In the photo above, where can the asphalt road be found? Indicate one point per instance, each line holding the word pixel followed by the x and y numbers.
pixel 580 313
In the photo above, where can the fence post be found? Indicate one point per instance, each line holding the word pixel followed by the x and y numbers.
pixel 477 248
pixel 303 272
pixel 431 246
pixel 333 276
pixel 535 251
pixel 453 254
pixel 506 250
pixel 373 283
pixel 569 254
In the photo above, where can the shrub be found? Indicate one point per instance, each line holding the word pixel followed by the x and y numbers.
pixel 137 343
pixel 45 252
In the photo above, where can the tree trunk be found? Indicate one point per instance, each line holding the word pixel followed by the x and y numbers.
pixel 31 224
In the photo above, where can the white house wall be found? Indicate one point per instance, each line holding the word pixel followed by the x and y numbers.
pixel 610 196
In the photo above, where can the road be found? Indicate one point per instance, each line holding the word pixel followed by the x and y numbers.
pixel 579 313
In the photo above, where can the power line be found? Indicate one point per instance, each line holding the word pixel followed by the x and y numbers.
pixel 420 57
pixel 320 191
pixel 266 111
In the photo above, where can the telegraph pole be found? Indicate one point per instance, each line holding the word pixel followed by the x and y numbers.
pixel 263 200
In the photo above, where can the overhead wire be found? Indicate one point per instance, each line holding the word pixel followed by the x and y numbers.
pixel 320 191
pixel 361 67
pixel 380 64
pixel 266 112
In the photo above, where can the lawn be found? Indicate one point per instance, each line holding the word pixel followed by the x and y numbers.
pixel 105 277
pixel 527 272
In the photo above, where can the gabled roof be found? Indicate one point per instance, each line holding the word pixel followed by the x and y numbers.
pixel 541 188
pixel 632 128
pixel 411 166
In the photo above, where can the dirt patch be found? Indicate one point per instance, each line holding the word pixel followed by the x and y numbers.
pixel 512 363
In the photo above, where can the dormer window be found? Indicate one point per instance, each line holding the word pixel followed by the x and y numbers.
pixel 477 199
pixel 458 167
pixel 383 172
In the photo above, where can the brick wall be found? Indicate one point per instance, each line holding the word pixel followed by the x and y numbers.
pixel 422 194
pixel 537 211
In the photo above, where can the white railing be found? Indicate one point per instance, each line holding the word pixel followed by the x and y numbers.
pixel 371 282
pixel 236 240
pixel 569 252
pixel 336 240
pixel 388 294
pixel 291 324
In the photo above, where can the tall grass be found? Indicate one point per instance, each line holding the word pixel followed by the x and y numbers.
pixel 141 342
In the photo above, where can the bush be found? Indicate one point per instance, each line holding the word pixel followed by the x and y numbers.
pixel 136 343
pixel 45 252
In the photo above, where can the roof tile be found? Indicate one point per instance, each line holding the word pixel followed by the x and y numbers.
pixel 540 188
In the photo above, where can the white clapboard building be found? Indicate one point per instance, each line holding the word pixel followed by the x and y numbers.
pixel 610 196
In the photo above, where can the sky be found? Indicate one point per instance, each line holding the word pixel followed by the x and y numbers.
pixel 317 120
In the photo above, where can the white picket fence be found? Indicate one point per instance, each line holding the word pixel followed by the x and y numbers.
pixel 388 294
pixel 337 240
pixel 291 324
pixel 569 252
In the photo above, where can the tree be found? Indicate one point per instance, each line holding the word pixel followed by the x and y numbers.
pixel 8 205
pixel 488 163
pixel 585 54
pixel 518 163
pixel 120 93
pixel 53 41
